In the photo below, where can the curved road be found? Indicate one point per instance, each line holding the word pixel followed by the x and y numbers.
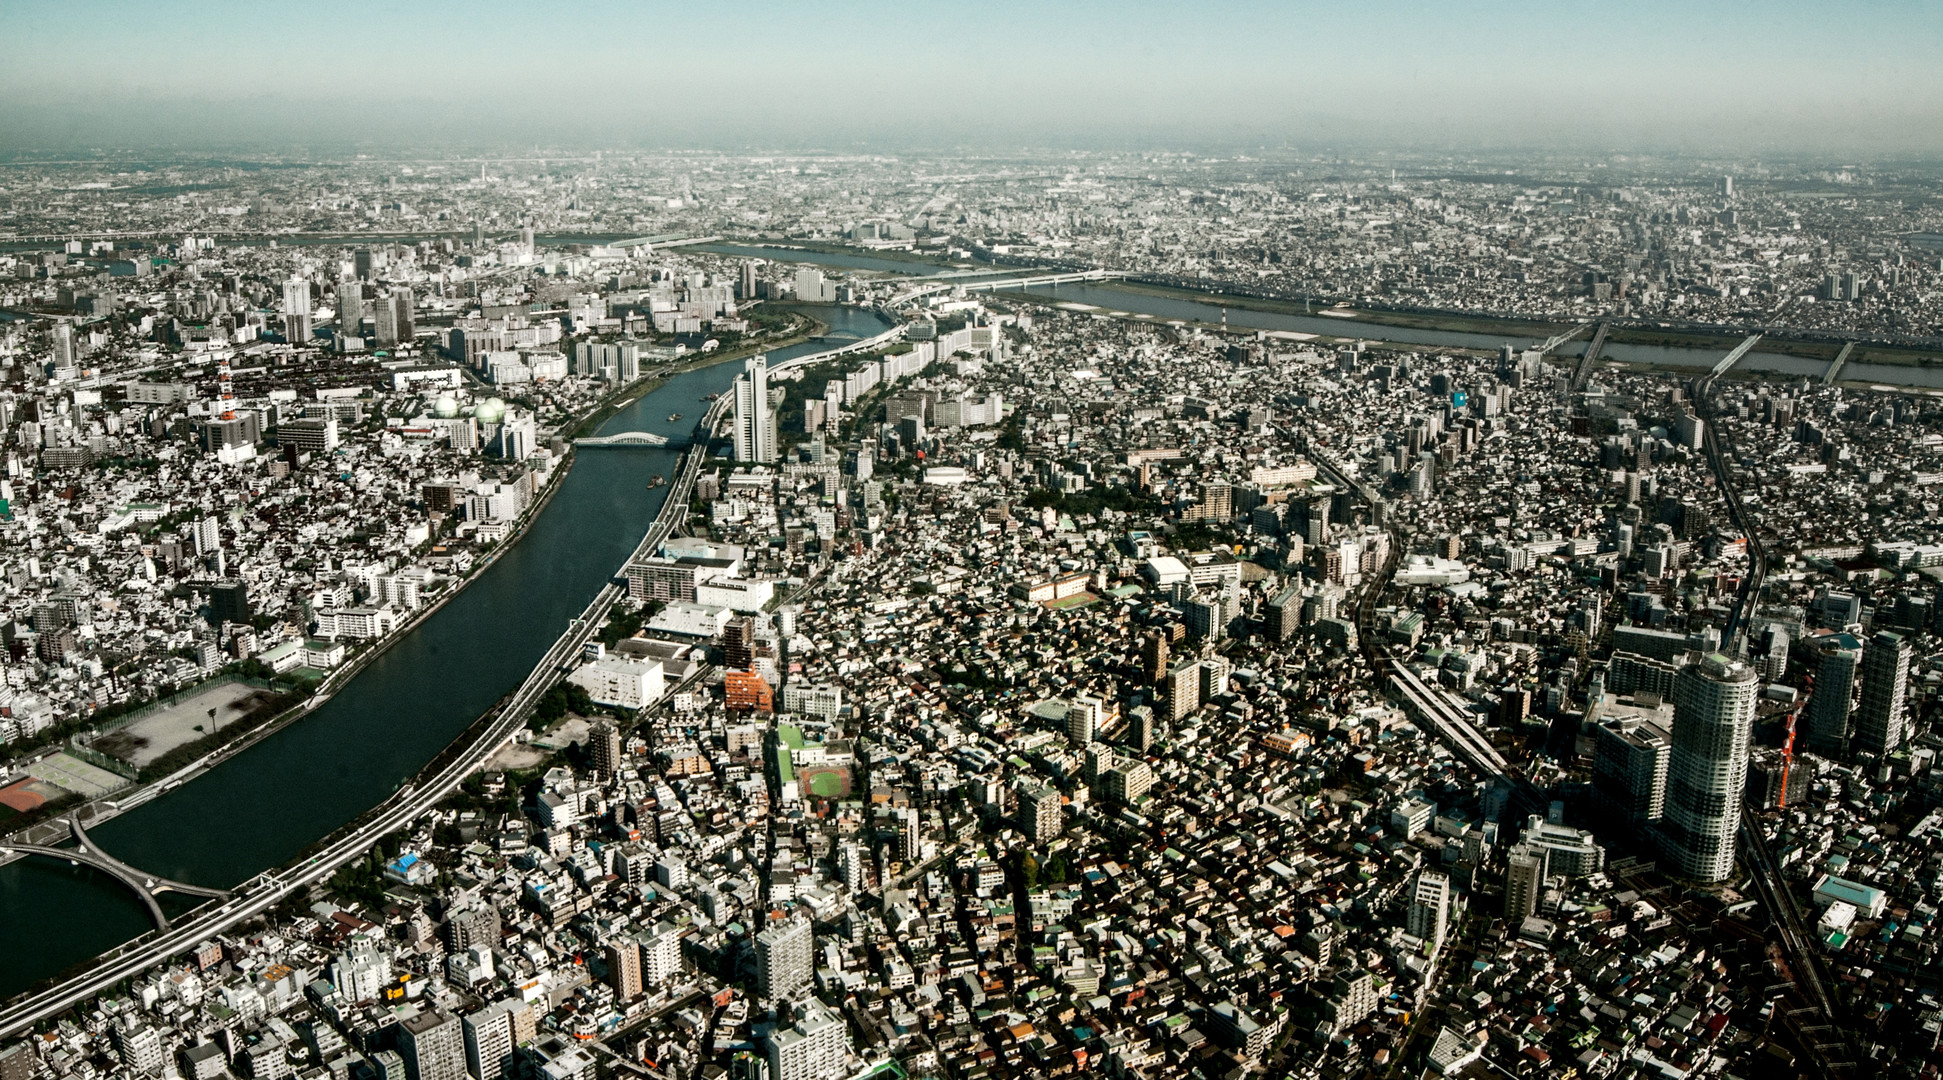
pixel 142 883
pixel 1802 949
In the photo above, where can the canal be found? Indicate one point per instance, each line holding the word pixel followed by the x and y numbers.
pixel 262 807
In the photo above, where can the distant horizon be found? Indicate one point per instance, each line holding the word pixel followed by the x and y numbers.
pixel 1511 159
pixel 1728 79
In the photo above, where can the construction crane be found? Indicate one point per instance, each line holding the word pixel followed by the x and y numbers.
pixel 1787 759
pixel 225 388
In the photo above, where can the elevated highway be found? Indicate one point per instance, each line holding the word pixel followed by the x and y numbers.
pixel 1429 704
pixel 862 345
pixel 938 283
pixel 1433 707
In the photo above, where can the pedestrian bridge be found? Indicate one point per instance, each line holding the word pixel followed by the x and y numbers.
pixel 624 438
pixel 145 885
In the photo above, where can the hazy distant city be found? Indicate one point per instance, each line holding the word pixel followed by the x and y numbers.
pixel 1298 607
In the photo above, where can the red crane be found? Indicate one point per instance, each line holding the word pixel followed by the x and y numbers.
pixel 1788 746
pixel 225 388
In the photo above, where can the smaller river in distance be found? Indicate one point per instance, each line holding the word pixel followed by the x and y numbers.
pixel 259 809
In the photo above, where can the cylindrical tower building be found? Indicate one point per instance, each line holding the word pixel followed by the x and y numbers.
pixel 1713 718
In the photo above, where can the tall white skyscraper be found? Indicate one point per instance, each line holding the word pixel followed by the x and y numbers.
pixel 66 353
pixel 1630 757
pixel 784 958
pixel 755 424
pixel 1879 718
pixel 1713 718
pixel 396 320
pixel 489 1042
pixel 1084 714
pixel 296 310
pixel 1039 812
pixel 1430 907
pixel 660 954
pixel 350 304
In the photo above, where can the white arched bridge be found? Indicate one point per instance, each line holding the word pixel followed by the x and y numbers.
pixel 624 438
pixel 144 885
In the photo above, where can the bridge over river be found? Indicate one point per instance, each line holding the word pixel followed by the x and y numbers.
pixel 144 885
pixel 624 438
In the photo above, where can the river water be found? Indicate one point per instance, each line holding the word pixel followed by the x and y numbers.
pixel 262 807
pixel 1166 308
pixel 1114 298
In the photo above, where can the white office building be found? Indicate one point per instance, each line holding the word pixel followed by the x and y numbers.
pixel 1430 907
pixel 619 681
pixel 755 423
pixel 784 961
pixel 816 1048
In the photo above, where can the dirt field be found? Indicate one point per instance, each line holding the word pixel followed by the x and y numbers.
pixel 29 794
pixel 514 758
pixel 184 722
pixel 564 733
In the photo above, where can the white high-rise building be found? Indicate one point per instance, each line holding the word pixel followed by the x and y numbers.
pixel 67 353
pixel 660 954
pixel 1831 706
pixel 817 1048
pixel 1524 882
pixel 1430 907
pixel 296 310
pixel 361 970
pixel 1879 719
pixel 350 305
pixel 139 1046
pixel 755 423
pixel 784 959
pixel 1084 715
pixel 1713 718
pixel 489 1042
pixel 910 835
pixel 1630 758
pixel 1039 812
pixel 433 1046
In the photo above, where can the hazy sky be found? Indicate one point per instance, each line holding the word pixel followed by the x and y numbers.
pixel 1777 76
